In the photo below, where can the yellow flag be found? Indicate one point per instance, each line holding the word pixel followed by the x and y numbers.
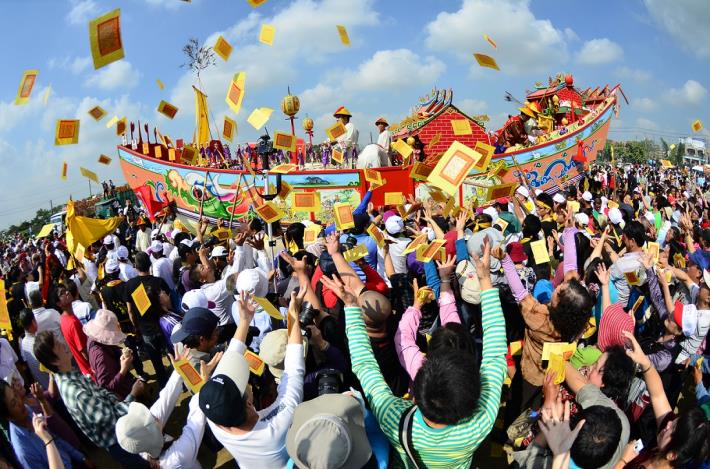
pixel 85 230
pixel 202 135
pixel 4 313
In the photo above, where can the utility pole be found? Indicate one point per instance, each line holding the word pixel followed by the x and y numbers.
pixel 51 208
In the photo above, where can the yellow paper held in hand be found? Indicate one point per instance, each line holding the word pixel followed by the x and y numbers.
pixel 344 219
pixel 256 364
pixel 486 61
pixel 167 109
pixel 284 168
pixel 235 92
pixel 632 277
pixel 356 253
pixel 556 367
pixel 461 127
pixel 516 348
pixel 189 375
pixel 310 234
pixel 453 167
pixel 268 308
pixel 269 212
pixel 259 116
pixel 67 132
pixel 376 234
pixel 97 112
pixel 229 129
pixel 415 243
pixel 343 33
pixel 285 141
pixel 539 251
pixel 431 250
pixel 565 349
pixel 266 35
pixel 394 198
pixel 403 148
pixel 105 39
pixel 502 224
pixel 374 176
pixel 653 250
pixel 335 131
pixel 79 252
pixel 223 48
pixel 141 300
pixel 306 202
pixel 26 85
pixel 337 155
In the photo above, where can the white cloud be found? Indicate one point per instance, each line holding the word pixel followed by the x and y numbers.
pixel 169 4
pixel 525 44
pixel 644 123
pixel 599 51
pixel 686 21
pixel 644 104
pixel 74 65
pixel 116 75
pixel 82 11
pixel 635 74
pixel 472 107
pixel 395 69
pixel 691 93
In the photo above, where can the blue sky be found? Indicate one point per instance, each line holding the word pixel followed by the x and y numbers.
pixel 658 50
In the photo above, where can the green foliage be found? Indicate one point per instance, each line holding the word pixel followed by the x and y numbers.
pixel 633 151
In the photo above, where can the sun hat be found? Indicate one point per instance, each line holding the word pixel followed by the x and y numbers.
pixel 195 298
pixel 329 432
pixel 273 350
pixel 394 225
pixel 613 322
pixel 253 281
pixel 516 252
pixel 381 120
pixel 104 328
pixel 138 431
pixel 222 396
pixel 469 283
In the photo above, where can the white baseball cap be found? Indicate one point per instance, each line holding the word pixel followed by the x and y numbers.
pixel 587 196
pixel 615 216
pixel 522 190
pixel 195 299
pixel 108 239
pixel 156 246
pixel 559 198
pixel 218 251
pixel 582 218
pixel 111 265
pixel 122 252
pixel 394 225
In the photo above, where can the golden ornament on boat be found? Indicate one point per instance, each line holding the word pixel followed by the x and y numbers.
pixel 290 105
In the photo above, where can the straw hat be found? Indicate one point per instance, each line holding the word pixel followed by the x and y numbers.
pixel 104 328
pixel 342 111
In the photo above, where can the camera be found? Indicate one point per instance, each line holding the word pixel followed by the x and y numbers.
pixel 307 317
pixel 210 241
pixel 350 243
pixel 330 381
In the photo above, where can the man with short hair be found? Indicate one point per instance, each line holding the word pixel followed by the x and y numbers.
pixel 48 319
pixel 29 324
pixel 629 265
pixel 198 331
pixel 82 309
pixel 73 331
pixel 94 409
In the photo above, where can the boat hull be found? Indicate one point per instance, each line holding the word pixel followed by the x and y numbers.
pixel 546 167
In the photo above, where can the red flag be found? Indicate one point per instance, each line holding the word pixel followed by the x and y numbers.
pixel 579 157
pixel 151 205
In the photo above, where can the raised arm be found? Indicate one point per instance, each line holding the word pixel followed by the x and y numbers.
pixel 405 339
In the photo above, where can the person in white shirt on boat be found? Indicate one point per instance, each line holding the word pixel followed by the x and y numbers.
pixel 347 142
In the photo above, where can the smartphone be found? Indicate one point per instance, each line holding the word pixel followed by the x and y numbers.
pixel 638 447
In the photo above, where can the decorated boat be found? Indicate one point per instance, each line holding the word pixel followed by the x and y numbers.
pixel 573 125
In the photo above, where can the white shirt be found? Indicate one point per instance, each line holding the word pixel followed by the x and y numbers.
pixel 265 445
pixel 82 311
pixel 142 240
pixel 385 139
pixel 127 271
pixel 8 358
pixel 163 268
pixel 348 142
pixel 48 320
pixel 28 355
pixel 90 268
pixel 399 259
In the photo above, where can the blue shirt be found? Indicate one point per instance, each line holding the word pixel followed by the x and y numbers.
pixel 31 452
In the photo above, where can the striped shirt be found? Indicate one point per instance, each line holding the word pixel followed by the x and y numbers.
pixel 453 445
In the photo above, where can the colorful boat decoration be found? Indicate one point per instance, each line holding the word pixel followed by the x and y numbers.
pixel 223 193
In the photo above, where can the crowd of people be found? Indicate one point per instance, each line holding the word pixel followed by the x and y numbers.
pixel 578 321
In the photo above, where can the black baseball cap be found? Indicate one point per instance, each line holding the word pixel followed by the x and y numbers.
pixel 222 396
pixel 197 321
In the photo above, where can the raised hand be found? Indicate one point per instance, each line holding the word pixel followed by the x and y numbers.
pixel 342 291
pixel 461 221
pixel 257 241
pixel 206 369
pixel 422 295
pixel 446 268
pixel 247 307
pixel 483 263
pixel 603 274
pixel 555 427
pixel 332 243
pixel 296 265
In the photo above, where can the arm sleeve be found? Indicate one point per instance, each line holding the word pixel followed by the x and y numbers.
pixel 493 367
pixel 447 309
pixel 701 394
pixel 432 277
pixel 104 377
pixel 405 342
pixel 169 395
pixel 660 359
pixel 516 286
pixel 363 203
pixel 386 407
pixel 461 250
pixel 183 451
pixel 656 294
pixel 291 388
pixel 570 250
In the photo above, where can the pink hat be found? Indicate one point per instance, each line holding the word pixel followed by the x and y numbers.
pixel 104 328
pixel 614 321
